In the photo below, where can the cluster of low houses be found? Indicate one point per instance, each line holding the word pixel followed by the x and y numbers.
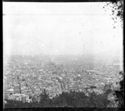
pixel 20 97
pixel 17 97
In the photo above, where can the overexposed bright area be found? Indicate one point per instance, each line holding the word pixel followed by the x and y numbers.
pixel 60 29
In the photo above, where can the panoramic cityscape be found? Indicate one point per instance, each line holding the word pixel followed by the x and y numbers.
pixel 60 55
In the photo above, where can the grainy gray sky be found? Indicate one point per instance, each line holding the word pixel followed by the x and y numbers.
pixel 59 28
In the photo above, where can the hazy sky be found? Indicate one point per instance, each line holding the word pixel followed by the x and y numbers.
pixel 59 28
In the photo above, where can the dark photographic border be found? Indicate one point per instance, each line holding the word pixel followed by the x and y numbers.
pixel 118 93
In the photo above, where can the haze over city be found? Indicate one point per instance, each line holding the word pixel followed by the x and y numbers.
pixel 60 29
